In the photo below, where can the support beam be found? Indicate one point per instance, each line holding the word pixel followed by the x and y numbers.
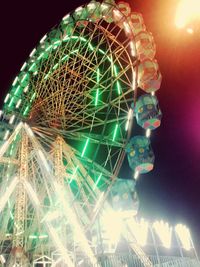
pixel 20 206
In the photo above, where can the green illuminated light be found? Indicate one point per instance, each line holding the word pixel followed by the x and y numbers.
pixel 17 89
pixel 33 96
pixel 63 58
pixel 95 185
pixel 46 76
pixel 24 77
pixel 26 110
pixel 91 47
pixel 84 149
pixel 11 101
pixel 98 75
pixel 40 56
pixel 115 132
pixel 32 66
pixel 57 42
pixel 101 51
pixel 97 97
pixel 118 88
pixel 48 48
pixel 11 151
pixel 55 66
pixel 83 39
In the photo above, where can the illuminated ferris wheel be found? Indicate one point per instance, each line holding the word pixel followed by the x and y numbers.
pixel 66 127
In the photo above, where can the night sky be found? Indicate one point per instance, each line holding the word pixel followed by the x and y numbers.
pixel 172 190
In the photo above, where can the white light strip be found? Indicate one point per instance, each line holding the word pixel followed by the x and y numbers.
pixel 18 103
pixel 164 232
pixel 66 17
pixel 130 114
pixel 6 135
pixel 8 192
pixel 63 250
pixel 32 53
pixel 77 229
pixel 7 97
pixel 133 49
pixel 44 161
pixel 98 202
pixel 148 133
pixel 2 259
pixel 43 38
pixel 23 66
pixel 15 81
pixel 31 193
pixel 78 9
pixel 139 230
pixel 26 89
pixel 136 175
pixel 184 235
pixel 29 131
pixel 12 119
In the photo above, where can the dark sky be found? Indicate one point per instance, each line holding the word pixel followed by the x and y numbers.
pixel 172 190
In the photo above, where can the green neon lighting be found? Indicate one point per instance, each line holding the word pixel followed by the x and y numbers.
pixel 97 97
pixel 91 46
pixel 95 185
pixel 33 96
pixel 65 57
pixel 11 101
pixel 84 149
pixel 17 90
pixel 115 132
pixel 46 76
pixel 24 77
pixel 55 66
pixel 117 82
pixel 57 42
pixel 98 75
pixel 11 151
pixel 32 66
pixel 26 110
pixel 118 88
pixel 37 236
pixel 11 215
pixel 101 51
pixel 48 48
pixel 83 39
pixel 40 56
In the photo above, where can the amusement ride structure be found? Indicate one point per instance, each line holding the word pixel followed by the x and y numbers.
pixel 66 127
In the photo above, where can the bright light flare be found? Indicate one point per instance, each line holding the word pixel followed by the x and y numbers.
pixel 139 230
pixel 136 175
pixel 184 235
pixel 187 11
pixel 112 227
pixel 164 231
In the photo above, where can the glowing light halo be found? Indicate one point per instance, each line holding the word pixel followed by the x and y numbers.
pixel 164 231
pixel 184 236
pixel 187 11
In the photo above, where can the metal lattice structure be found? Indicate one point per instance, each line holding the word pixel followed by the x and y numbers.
pixel 65 124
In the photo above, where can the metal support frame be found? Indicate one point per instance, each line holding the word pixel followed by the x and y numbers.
pixel 20 206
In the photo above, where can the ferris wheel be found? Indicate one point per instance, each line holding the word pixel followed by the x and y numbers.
pixel 67 123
